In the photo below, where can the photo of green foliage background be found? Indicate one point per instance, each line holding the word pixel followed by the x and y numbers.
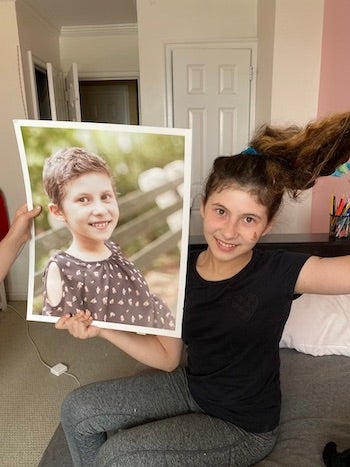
pixel 128 154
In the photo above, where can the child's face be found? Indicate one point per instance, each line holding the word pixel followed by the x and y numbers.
pixel 233 222
pixel 89 207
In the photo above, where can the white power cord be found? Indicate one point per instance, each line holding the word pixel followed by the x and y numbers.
pixel 59 368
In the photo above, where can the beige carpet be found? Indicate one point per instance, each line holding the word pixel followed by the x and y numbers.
pixel 31 395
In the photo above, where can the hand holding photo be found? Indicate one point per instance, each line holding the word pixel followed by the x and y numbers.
pixel 114 235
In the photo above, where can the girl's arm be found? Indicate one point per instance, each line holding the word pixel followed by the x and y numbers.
pixel 329 276
pixel 17 236
pixel 53 285
pixel 160 352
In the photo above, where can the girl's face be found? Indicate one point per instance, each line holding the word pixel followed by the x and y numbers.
pixel 233 222
pixel 89 207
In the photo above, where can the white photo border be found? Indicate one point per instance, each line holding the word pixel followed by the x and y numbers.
pixel 184 244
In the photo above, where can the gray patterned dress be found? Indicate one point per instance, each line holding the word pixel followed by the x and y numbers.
pixel 113 290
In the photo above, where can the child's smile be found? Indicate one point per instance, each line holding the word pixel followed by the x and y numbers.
pixel 100 225
pixel 90 208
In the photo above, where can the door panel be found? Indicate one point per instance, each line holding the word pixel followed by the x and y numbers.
pixel 57 93
pixel 211 93
pixel 72 86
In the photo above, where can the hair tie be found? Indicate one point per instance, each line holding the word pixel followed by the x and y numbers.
pixel 341 170
pixel 250 150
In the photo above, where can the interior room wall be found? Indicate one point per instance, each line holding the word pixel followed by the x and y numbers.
pixel 41 38
pixel 288 61
pixel 334 97
pixel 114 50
pixel 266 38
pixel 12 106
pixel 22 30
pixel 288 69
pixel 295 86
pixel 166 21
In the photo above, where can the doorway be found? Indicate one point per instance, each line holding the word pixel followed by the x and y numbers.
pixel 42 90
pixel 109 101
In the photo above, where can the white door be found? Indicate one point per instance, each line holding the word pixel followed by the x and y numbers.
pixel 72 86
pixel 57 93
pixel 211 93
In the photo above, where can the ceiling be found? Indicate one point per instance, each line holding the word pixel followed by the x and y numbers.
pixel 63 13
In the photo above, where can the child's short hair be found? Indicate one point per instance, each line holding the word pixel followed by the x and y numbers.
pixel 66 164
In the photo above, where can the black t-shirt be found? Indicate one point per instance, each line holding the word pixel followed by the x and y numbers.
pixel 232 330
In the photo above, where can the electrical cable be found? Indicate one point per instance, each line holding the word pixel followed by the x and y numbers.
pixel 37 349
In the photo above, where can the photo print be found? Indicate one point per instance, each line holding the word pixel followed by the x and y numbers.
pixel 113 234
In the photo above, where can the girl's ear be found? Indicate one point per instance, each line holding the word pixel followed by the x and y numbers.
pixel 56 212
pixel 267 229
pixel 201 209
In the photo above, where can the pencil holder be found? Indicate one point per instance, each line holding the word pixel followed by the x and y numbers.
pixel 339 226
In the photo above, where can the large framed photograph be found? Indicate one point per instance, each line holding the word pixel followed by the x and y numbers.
pixel 113 234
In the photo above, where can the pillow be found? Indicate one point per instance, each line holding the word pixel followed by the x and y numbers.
pixel 319 325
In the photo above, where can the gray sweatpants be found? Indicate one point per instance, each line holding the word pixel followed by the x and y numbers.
pixel 152 421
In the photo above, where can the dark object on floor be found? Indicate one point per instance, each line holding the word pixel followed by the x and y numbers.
pixel 333 458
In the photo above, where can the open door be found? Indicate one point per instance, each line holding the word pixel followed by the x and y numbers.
pixel 72 86
pixel 54 97
pixel 57 93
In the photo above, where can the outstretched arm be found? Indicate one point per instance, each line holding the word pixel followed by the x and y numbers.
pixel 17 236
pixel 160 352
pixel 329 276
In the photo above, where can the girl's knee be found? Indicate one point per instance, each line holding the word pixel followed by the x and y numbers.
pixel 72 408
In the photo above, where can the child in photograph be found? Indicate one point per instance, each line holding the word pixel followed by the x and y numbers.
pixel 93 275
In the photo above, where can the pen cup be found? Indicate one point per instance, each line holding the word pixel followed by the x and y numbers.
pixel 339 226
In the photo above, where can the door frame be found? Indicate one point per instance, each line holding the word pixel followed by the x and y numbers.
pixel 33 63
pixel 250 44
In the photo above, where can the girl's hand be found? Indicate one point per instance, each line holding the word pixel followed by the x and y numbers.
pixel 78 325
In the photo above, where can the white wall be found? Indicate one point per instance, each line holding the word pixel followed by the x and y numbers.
pixel 297 60
pixel 41 38
pixel 266 37
pixel 295 86
pixel 169 21
pixel 108 52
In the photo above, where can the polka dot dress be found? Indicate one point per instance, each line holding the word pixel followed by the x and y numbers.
pixel 113 290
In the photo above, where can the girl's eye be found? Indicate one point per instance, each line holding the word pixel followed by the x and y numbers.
pixel 83 199
pixel 107 197
pixel 249 220
pixel 220 211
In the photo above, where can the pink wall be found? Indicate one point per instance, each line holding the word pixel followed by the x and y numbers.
pixel 334 96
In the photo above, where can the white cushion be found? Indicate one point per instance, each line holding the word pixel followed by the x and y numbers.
pixel 319 325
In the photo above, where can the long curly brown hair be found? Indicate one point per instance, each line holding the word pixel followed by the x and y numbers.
pixel 289 159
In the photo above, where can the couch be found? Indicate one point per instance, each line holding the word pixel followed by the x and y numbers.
pixel 315 384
